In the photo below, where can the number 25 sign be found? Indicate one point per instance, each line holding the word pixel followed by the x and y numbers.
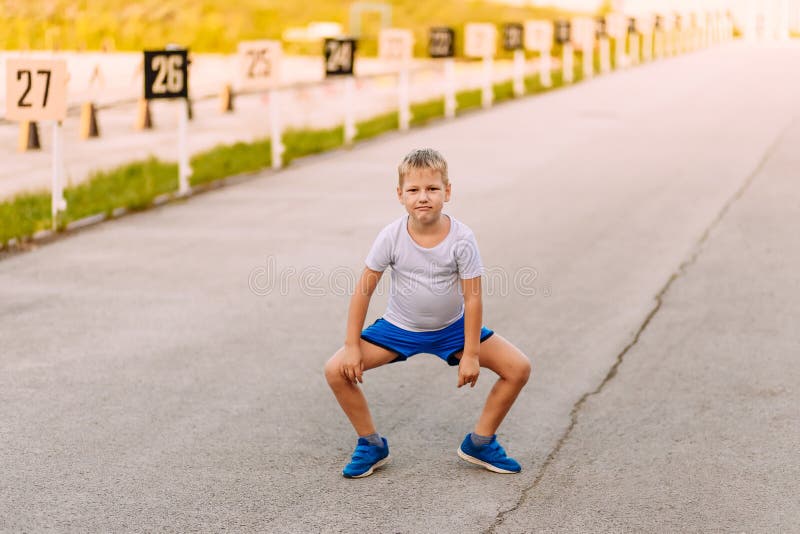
pixel 36 89
pixel 166 74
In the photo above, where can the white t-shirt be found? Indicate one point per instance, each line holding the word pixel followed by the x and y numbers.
pixel 425 290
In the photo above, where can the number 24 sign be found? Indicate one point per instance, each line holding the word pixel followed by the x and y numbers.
pixel 36 89
pixel 166 74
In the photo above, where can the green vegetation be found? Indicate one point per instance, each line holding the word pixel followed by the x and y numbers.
pixel 468 99
pixel 227 160
pixel 378 125
pixel 424 112
pixel 216 26
pixel 301 143
pixel 133 186
pixel 24 216
pixel 503 91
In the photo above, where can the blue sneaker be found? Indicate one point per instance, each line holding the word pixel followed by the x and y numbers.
pixel 492 456
pixel 366 458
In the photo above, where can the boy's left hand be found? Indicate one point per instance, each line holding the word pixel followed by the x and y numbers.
pixel 468 369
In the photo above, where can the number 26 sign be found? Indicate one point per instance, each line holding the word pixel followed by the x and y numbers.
pixel 166 74
pixel 36 89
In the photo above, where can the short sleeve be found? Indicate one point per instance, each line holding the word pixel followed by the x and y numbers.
pixel 468 258
pixel 380 255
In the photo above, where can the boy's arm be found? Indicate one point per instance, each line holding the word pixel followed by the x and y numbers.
pixel 469 367
pixel 352 368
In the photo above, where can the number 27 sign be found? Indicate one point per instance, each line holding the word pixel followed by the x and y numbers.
pixel 36 89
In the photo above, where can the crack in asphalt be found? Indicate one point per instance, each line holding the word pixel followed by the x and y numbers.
pixel 612 372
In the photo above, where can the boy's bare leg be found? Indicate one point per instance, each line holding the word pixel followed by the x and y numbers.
pixel 349 395
pixel 513 368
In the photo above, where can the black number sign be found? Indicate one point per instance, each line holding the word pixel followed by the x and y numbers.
pixel 442 42
pixel 512 36
pixel 562 31
pixel 166 74
pixel 631 25
pixel 659 22
pixel 600 27
pixel 339 56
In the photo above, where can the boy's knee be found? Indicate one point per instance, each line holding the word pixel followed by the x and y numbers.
pixel 527 368
pixel 522 372
pixel 331 370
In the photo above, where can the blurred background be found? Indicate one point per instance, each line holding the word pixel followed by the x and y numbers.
pixel 217 26
pixel 112 134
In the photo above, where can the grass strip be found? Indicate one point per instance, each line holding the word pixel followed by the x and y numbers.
pixel 24 215
pixel 424 112
pixel 301 143
pixel 378 125
pixel 229 160
pixel 503 91
pixel 469 99
pixel 132 186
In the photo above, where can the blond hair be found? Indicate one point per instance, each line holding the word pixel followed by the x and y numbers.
pixel 422 158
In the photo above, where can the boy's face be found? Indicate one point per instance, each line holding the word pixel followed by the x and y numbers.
pixel 423 194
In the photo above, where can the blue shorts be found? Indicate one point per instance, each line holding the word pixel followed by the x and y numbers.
pixel 444 343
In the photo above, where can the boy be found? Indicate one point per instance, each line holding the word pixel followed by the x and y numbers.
pixel 434 307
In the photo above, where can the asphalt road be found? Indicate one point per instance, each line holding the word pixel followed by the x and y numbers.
pixel 164 371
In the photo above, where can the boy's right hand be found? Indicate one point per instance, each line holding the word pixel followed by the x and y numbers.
pixel 352 366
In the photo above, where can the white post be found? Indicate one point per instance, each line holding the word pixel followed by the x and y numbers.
pixel 275 129
pixel 588 60
pixel 349 111
pixel 567 63
pixel 605 55
pixel 671 43
pixel 545 64
pixel 658 43
pixel 449 88
pixel 184 169
pixel 57 201
pixel 403 99
pixel 635 53
pixel 711 32
pixel 728 29
pixel 519 73
pixel 647 46
pixel 487 94
pixel 619 52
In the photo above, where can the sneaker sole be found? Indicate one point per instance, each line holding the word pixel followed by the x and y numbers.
pixel 379 463
pixel 486 465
